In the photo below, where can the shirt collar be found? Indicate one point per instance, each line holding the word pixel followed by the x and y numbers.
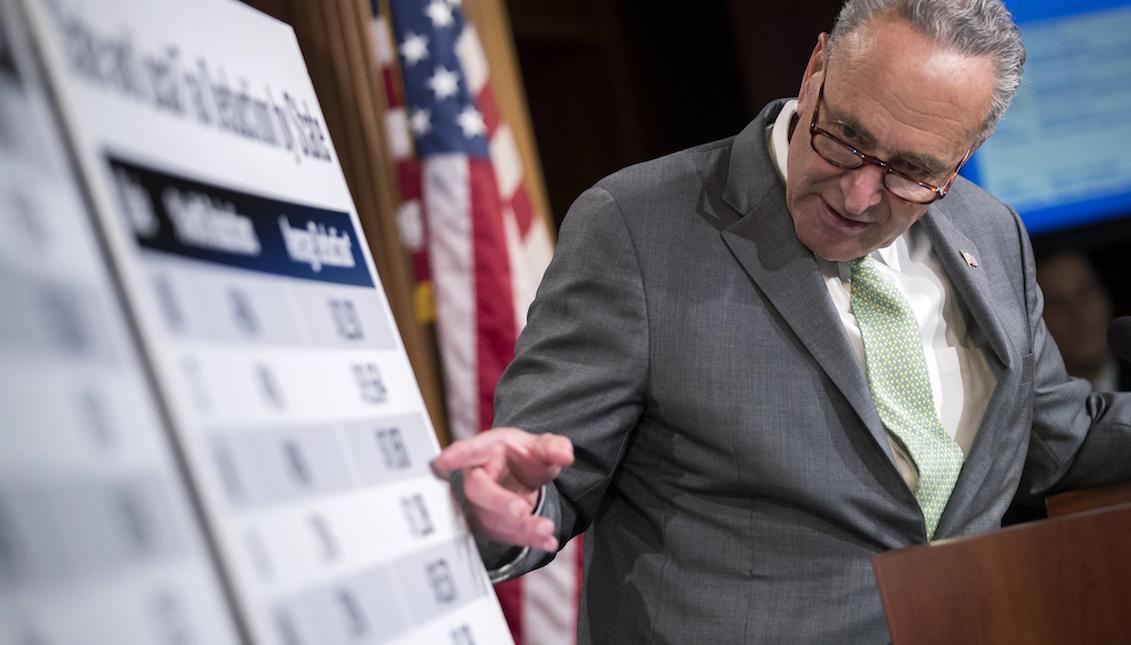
pixel 777 137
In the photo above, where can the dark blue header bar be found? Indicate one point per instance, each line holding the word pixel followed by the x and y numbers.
pixel 180 216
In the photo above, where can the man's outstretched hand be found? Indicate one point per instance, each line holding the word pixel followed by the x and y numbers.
pixel 503 469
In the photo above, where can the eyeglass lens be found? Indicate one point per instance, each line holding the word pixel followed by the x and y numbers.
pixel 838 155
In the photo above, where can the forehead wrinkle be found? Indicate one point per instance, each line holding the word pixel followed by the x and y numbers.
pixel 897 77
pixel 940 111
pixel 932 112
pixel 930 163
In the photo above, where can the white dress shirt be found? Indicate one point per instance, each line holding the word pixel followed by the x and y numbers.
pixel 961 374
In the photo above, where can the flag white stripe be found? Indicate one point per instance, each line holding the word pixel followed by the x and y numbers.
pixel 506 160
pixel 398 139
pixel 549 611
pixel 528 260
pixel 470 53
pixel 410 225
pixel 447 200
pixel 382 40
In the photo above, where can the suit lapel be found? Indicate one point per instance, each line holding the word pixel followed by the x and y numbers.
pixel 956 253
pixel 765 244
pixel 787 274
pixel 954 250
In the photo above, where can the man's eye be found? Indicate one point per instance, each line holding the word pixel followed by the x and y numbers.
pixel 913 170
pixel 848 133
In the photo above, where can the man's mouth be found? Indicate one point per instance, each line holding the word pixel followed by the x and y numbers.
pixel 842 221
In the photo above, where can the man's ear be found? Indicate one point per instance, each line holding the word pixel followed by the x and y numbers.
pixel 814 72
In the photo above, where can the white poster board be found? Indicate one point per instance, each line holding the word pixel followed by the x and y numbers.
pixel 233 231
pixel 99 544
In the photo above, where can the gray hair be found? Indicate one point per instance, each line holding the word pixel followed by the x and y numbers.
pixel 970 27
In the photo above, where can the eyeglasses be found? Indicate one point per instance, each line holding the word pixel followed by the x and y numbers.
pixel 902 185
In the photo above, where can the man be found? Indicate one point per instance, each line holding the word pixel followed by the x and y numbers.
pixel 1078 310
pixel 770 358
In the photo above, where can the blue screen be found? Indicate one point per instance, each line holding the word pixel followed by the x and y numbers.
pixel 1062 154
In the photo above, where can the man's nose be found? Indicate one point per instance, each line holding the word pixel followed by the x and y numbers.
pixel 863 188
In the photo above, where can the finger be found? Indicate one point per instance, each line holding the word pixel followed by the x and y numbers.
pixel 531 531
pixel 541 460
pixel 504 515
pixel 553 449
pixel 485 492
pixel 465 453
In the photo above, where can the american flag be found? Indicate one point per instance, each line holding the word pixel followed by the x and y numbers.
pixel 478 248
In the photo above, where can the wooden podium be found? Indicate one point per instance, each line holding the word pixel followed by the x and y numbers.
pixel 1062 580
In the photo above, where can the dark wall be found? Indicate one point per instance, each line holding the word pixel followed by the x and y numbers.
pixel 1108 245
pixel 611 83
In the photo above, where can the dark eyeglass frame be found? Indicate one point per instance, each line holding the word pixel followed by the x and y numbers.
pixel 938 192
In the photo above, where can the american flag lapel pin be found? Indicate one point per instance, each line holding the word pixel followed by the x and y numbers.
pixel 970 259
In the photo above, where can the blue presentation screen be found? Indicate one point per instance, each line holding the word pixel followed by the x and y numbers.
pixel 1062 154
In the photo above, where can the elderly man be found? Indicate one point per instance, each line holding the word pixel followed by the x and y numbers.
pixel 755 364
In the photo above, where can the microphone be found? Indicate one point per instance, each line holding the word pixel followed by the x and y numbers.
pixel 1119 337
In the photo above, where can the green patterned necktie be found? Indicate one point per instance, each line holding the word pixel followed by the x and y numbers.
pixel 901 389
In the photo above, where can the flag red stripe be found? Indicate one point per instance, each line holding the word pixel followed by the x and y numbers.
pixel 494 302
pixel 511 602
pixel 408 179
pixel 392 93
pixel 523 212
pixel 485 101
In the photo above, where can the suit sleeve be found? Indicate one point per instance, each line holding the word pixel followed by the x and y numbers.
pixel 581 364
pixel 1080 439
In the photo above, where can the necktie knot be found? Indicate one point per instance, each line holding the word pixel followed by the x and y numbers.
pixel 885 303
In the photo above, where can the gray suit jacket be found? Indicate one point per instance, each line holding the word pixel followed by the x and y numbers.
pixel 732 473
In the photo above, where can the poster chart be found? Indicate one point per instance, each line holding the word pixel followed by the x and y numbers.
pixel 99 543
pixel 232 230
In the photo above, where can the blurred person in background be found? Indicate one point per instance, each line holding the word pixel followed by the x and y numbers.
pixel 1078 311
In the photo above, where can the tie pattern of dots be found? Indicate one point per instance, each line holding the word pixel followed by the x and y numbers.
pixel 901 389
